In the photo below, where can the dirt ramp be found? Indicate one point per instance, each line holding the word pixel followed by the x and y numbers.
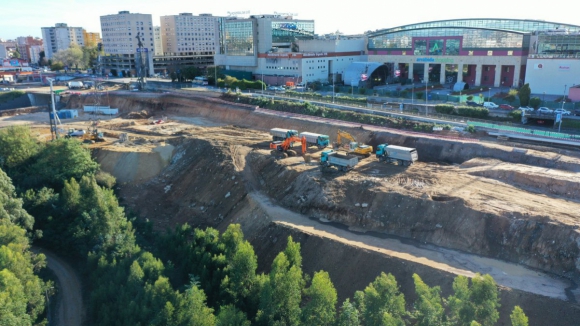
pixel 135 165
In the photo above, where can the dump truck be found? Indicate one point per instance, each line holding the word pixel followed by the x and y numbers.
pixel 279 134
pixel 313 139
pixel 353 146
pixel 404 156
pixel 331 158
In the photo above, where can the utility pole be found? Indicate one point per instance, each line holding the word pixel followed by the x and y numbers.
pixel 53 117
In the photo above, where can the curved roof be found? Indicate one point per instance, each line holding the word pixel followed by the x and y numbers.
pixel 510 25
pixel 354 71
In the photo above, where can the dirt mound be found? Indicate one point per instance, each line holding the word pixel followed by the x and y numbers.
pixel 143 114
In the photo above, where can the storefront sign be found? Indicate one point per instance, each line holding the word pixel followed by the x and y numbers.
pixel 435 60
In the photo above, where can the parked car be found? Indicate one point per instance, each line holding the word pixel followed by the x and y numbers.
pixel 471 103
pixel 562 111
pixel 544 110
pixel 506 107
pixel 526 108
pixel 490 105
pixel 577 112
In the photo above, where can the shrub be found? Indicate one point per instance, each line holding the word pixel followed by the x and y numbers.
pixel 470 129
pixel 535 102
pixel 515 114
pixel 444 108
pixel 473 112
pixel 105 179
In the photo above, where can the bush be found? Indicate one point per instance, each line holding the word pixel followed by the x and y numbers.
pixel 515 114
pixel 473 112
pixel 6 97
pixel 470 129
pixel 444 108
pixel 535 102
pixel 105 179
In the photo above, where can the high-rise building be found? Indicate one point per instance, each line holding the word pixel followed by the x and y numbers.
pixel 157 41
pixel 126 36
pixel 91 39
pixel 189 34
pixel 60 37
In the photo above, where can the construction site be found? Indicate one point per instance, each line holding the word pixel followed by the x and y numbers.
pixel 465 206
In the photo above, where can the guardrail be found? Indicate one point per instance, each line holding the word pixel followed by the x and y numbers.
pixel 531 132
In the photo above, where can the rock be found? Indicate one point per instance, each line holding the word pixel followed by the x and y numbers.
pixel 357 205
pixel 227 195
pixel 233 177
pixel 438 225
pixel 365 205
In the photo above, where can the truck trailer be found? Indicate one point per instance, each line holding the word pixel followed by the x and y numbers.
pixel 330 158
pixel 279 134
pixel 392 153
pixel 75 85
pixel 313 139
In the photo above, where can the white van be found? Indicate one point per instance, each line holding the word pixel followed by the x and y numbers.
pixel 490 105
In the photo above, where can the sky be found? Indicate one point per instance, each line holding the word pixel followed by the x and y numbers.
pixel 26 17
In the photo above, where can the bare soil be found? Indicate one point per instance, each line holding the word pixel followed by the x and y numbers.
pixel 466 207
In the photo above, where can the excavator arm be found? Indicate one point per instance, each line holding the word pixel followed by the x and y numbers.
pixel 343 134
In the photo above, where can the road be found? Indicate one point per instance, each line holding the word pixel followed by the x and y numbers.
pixel 70 299
pixel 505 274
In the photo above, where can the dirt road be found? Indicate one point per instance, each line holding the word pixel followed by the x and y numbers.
pixel 70 305
pixel 505 274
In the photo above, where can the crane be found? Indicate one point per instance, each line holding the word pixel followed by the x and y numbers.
pixel 285 145
pixel 353 146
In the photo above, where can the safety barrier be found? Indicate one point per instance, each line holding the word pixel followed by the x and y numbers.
pixel 532 132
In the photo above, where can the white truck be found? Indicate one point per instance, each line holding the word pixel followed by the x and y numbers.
pixel 392 153
pixel 279 134
pixel 330 158
pixel 313 139
pixel 75 85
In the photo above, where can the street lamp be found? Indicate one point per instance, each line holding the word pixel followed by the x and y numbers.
pixel 489 94
pixel 333 87
pixel 564 98
pixel 481 95
pixel 544 98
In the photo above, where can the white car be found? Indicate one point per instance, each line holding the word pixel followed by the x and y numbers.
pixel 526 108
pixel 545 110
pixel 490 105
pixel 562 111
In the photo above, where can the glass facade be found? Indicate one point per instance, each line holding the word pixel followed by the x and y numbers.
pixel 238 38
pixel 287 31
pixel 449 37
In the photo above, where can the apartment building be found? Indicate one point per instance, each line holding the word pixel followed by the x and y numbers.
pixel 91 39
pixel 126 38
pixel 60 37
pixel 157 41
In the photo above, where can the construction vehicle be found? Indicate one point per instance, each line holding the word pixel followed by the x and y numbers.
pixel 331 158
pixel 404 156
pixel 75 133
pixel 286 145
pixel 353 146
pixel 279 134
pixel 318 140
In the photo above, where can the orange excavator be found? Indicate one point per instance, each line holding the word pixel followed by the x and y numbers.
pixel 285 145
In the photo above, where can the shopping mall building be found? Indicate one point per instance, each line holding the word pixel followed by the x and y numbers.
pixel 487 52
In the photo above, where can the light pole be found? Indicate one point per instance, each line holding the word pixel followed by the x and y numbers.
pixel 544 99
pixel 54 116
pixel 481 95
pixel 413 93
pixel 489 94
pixel 564 98
pixel 333 87
pixel 263 82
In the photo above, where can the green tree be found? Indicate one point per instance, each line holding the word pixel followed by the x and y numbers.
pixel 12 300
pixel 322 297
pixel 59 161
pixel 56 65
pixel 518 318
pixel 382 302
pixel 16 54
pixel 17 146
pixel 190 72
pixel 193 310
pixel 476 302
pixel 71 57
pixel 230 316
pixel 429 309
pixel 90 55
pixel 524 95
pixel 281 295
pixel 535 102
pixel 11 206
pixel 349 315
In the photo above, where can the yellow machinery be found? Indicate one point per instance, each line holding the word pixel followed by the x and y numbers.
pixel 352 146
